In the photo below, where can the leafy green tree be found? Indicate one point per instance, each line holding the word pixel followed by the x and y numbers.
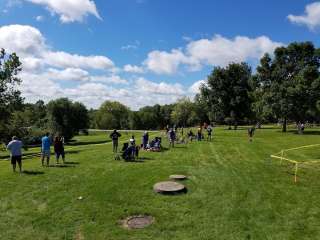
pixel 184 113
pixel 226 94
pixel 112 115
pixel 67 118
pixel 288 83
pixel 10 98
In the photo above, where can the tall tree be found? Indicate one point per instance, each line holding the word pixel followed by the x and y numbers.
pixel 10 98
pixel 67 118
pixel 112 115
pixel 227 93
pixel 184 113
pixel 288 83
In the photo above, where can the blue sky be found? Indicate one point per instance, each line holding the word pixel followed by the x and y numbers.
pixel 142 52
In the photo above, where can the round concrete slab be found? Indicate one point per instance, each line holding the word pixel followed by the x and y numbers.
pixel 169 187
pixel 137 222
pixel 178 177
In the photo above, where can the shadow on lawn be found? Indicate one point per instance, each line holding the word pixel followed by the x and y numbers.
pixel 306 132
pixel 30 172
pixel 75 143
pixel 72 163
pixel 62 166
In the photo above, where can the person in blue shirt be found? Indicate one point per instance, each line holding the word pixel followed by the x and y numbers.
pixel 45 149
pixel 15 152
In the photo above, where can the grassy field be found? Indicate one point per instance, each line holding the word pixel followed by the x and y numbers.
pixel 235 191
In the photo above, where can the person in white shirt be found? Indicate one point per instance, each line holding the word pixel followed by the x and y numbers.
pixel 15 147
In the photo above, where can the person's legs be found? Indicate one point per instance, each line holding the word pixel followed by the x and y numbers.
pixel 13 163
pixel 115 146
pixel 48 157
pixel 117 143
pixel 19 160
pixel 63 157
pixel 42 159
pixel 57 157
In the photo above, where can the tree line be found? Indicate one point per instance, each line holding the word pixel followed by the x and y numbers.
pixel 284 87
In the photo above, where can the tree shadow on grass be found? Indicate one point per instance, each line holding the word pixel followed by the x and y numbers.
pixel 145 158
pixel 30 172
pixel 71 163
pixel 62 166
pixel 180 146
pixel 75 143
pixel 72 151
pixel 307 132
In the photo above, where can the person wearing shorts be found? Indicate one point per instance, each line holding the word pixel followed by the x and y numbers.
pixel 15 152
pixel 45 149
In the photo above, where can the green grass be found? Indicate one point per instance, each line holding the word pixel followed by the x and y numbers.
pixel 235 191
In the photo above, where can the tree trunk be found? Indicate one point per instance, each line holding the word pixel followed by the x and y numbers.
pixel 284 125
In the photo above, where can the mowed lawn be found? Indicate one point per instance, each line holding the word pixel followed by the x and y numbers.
pixel 235 191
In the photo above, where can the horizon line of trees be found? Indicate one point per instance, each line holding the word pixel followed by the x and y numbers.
pixel 285 87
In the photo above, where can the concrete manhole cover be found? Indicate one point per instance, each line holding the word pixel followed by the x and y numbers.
pixel 178 177
pixel 137 222
pixel 169 187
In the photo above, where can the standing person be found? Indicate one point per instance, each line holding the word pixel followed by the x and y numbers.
pixel 251 133
pixel 45 149
pixel 115 140
pixel 209 130
pixel 15 153
pixel 58 145
pixel 190 135
pixel 302 128
pixel 145 139
pixel 199 134
pixel 172 137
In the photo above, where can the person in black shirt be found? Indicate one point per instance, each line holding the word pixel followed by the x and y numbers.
pixel 251 133
pixel 115 142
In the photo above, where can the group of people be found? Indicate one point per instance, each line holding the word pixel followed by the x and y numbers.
pixel 129 150
pixel 15 149
pixel 154 145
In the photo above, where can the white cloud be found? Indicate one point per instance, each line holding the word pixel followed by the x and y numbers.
pixel 311 17
pixel 68 74
pixel 23 39
pixel 162 62
pixel 128 47
pixel 69 10
pixel 65 60
pixel 39 18
pixel 30 45
pixel 115 79
pixel 133 69
pixel 195 87
pixel 218 51
pixel 49 74
pixel 159 88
